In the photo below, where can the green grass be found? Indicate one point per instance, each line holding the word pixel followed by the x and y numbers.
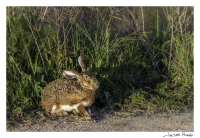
pixel 150 70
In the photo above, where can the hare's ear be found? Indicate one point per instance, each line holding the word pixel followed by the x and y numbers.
pixel 82 60
pixel 71 74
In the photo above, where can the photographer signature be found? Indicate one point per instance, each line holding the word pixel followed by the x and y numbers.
pixel 183 134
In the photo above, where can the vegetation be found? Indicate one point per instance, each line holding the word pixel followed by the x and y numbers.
pixel 137 67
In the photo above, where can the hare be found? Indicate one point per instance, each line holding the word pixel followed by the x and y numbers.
pixel 74 93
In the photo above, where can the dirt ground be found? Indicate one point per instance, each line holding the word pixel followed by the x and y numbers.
pixel 107 121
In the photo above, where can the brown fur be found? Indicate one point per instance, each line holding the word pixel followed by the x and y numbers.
pixel 66 92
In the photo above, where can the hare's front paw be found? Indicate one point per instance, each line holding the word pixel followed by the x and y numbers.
pixel 60 113
pixel 90 120
pixel 63 113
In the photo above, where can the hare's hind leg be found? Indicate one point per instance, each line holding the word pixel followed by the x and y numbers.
pixel 84 113
pixel 57 111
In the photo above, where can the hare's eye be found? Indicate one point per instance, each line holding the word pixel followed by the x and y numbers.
pixel 86 77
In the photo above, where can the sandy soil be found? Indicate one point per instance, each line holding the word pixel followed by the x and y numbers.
pixel 121 121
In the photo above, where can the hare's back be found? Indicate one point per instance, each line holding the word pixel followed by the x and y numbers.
pixel 60 88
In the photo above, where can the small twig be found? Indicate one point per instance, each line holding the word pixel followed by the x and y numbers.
pixel 180 24
pixel 44 13
pixel 142 19
pixel 170 50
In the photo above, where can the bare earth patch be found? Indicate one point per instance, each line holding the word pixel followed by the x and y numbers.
pixel 121 121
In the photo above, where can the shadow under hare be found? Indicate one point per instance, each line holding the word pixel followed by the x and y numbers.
pixel 74 93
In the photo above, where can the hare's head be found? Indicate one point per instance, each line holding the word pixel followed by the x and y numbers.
pixel 85 78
